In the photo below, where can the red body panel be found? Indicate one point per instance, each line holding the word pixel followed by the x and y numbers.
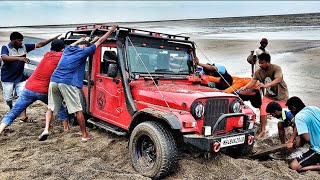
pixel 107 101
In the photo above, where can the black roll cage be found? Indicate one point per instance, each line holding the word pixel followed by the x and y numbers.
pixel 119 36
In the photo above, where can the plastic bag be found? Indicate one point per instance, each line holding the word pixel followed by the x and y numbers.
pixel 250 59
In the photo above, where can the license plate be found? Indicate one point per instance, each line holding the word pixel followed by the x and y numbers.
pixel 231 141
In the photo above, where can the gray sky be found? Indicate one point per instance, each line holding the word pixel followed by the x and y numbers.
pixel 15 13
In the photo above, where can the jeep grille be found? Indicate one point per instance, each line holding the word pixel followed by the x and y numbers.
pixel 213 110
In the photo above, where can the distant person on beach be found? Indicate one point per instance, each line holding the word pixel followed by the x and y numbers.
pixel 307 121
pixel 285 118
pixel 212 77
pixel 271 79
pixel 67 80
pixel 14 58
pixel 262 49
pixel 37 87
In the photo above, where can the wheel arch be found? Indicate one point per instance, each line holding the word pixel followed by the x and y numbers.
pixel 167 119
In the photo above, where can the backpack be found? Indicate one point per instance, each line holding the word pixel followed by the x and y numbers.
pixel 250 59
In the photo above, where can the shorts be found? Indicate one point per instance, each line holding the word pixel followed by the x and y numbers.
pixel 286 123
pixel 265 102
pixel 255 99
pixel 10 87
pixel 70 94
pixel 309 158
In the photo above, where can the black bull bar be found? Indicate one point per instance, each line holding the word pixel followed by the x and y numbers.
pixel 206 143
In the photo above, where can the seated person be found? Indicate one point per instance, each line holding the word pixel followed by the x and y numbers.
pixel 109 57
pixel 285 118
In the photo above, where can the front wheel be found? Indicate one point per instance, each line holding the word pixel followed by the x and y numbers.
pixel 153 150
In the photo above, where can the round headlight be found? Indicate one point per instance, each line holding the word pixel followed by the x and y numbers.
pixel 197 110
pixel 235 106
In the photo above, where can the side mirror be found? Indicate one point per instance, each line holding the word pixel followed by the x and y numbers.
pixel 112 70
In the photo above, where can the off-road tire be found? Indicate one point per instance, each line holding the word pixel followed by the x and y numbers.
pixel 164 147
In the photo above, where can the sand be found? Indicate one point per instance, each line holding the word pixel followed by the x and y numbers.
pixel 63 156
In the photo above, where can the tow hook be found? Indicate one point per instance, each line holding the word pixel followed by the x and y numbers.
pixel 250 139
pixel 216 146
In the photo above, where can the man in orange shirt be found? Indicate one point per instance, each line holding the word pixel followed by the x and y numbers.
pixel 224 82
pixel 252 95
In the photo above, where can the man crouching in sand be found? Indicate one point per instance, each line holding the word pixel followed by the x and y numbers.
pixel 307 120
pixel 67 81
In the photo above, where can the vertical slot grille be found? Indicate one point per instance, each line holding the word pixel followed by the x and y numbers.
pixel 213 110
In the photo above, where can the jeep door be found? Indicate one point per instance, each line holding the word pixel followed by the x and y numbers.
pixel 107 91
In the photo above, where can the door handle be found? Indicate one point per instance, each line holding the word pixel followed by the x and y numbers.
pixel 99 79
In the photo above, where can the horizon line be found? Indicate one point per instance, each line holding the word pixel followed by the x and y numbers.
pixel 151 21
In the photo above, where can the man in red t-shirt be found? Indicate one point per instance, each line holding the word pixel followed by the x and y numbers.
pixel 36 87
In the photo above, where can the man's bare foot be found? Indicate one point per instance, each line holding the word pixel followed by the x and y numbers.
pixel 261 135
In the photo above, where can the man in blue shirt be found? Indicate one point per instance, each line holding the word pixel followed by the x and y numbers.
pixel 67 80
pixel 284 116
pixel 216 71
pixel 307 120
pixel 14 58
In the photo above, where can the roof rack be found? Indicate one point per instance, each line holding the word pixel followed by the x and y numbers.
pixel 91 27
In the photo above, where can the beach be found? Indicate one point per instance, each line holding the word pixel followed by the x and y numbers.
pixel 293 45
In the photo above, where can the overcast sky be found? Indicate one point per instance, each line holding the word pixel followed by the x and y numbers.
pixel 16 13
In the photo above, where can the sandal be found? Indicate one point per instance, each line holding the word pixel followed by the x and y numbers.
pixel 43 136
pixel 84 140
pixel 26 120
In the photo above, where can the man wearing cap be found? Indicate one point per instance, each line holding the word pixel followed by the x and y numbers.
pixel 258 51
pixel 37 85
pixel 14 58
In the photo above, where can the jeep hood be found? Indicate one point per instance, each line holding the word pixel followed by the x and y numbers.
pixel 175 93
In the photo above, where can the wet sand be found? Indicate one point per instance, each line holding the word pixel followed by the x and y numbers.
pixel 62 156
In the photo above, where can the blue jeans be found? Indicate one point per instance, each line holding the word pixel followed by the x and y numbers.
pixel 9 87
pixel 26 98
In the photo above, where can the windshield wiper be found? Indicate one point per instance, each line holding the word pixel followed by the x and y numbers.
pixel 163 70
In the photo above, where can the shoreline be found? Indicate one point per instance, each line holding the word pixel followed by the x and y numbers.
pixel 174 20
pixel 62 156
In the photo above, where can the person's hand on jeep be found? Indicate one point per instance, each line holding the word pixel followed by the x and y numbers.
pixel 193 78
pixel 95 39
pixel 105 36
pixel 114 27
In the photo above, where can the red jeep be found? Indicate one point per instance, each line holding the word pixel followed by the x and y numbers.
pixel 136 84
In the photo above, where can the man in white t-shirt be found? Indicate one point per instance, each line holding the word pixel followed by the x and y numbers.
pixel 258 51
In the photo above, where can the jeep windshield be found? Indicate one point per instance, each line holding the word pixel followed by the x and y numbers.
pixel 145 60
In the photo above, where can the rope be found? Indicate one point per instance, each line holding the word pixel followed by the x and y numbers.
pixel 154 82
pixel 220 74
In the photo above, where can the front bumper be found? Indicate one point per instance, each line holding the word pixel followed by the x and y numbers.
pixel 205 143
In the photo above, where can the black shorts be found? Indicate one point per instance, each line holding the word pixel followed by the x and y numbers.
pixel 286 123
pixel 309 158
pixel 255 99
